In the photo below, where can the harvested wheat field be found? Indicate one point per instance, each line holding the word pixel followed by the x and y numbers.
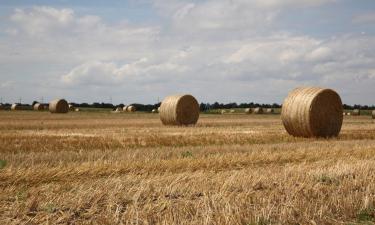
pixel 105 168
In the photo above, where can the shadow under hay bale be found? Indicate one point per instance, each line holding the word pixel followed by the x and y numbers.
pixel 312 112
pixel 179 110
pixel 59 106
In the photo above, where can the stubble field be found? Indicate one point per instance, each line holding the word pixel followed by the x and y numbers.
pixel 105 168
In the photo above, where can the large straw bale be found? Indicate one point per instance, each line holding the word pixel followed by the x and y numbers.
pixel 59 106
pixel 312 112
pixel 179 110
pixel 373 114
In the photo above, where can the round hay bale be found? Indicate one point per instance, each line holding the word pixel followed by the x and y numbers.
pixel 373 114
pixel 312 112
pixel 131 108
pixel 77 110
pixel 159 109
pixel 232 111
pixel 71 107
pixel 223 111
pixel 348 114
pixel 16 106
pixel 154 111
pixel 59 106
pixel 248 110
pixel 125 108
pixel 38 107
pixel 356 112
pixel 270 111
pixel 118 109
pixel 258 110
pixel 179 110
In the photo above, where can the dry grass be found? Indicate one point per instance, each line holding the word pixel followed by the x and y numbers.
pixel 104 168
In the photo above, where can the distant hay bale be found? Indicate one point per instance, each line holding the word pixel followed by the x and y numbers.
pixel 118 109
pixel 131 108
pixel 248 110
pixel 270 111
pixel 312 112
pixel 154 111
pixel 179 110
pixel 17 106
pixel 159 109
pixel 373 114
pixel 59 106
pixel 125 108
pixel 77 110
pixel 356 112
pixel 71 107
pixel 38 107
pixel 223 111
pixel 232 111
pixel 348 114
pixel 258 110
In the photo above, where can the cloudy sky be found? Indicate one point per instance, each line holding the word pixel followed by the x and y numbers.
pixel 218 50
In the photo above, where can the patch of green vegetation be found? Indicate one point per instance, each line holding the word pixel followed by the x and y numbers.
pixel 3 163
pixel 325 179
pixel 50 208
pixel 367 214
pixel 187 154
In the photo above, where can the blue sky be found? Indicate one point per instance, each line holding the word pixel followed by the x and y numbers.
pixel 218 50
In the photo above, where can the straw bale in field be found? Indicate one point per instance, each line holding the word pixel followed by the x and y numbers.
pixel 131 108
pixel 373 114
pixel 312 112
pixel 38 107
pixel 258 110
pixel 179 110
pixel 270 111
pixel 59 106
pixel 356 112
pixel 248 110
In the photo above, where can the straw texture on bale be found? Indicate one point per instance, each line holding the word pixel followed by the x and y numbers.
pixel 270 111
pixel 130 108
pixel 356 112
pixel 258 110
pixel 312 112
pixel 248 110
pixel 179 110
pixel 59 106
pixel 38 107
pixel 373 114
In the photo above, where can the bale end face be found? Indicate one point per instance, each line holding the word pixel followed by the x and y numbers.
pixel 312 112
pixel 179 110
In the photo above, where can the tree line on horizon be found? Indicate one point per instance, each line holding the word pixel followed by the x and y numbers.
pixel 203 106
